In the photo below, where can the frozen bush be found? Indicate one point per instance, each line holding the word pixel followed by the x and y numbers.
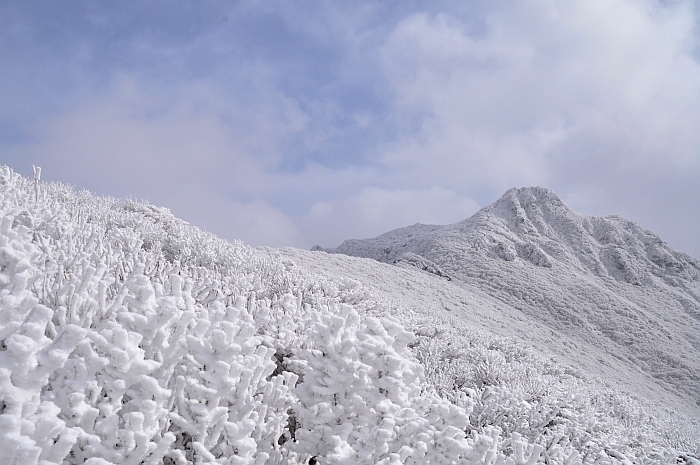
pixel 130 337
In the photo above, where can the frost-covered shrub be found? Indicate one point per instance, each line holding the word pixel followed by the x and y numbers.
pixel 573 417
pixel 152 375
pixel 109 355
pixel 361 402
pixel 130 337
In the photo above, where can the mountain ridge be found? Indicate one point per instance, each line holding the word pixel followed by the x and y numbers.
pixel 605 279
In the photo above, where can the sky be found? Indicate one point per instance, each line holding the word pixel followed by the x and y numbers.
pixel 310 122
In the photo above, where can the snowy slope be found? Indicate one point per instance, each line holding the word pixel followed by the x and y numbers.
pixel 606 283
pixel 128 336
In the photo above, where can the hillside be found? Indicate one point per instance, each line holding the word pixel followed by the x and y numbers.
pixel 616 289
pixel 128 336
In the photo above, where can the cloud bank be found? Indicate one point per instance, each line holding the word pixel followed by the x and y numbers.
pixel 312 123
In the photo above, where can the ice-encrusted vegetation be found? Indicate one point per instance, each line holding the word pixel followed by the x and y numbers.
pixel 129 337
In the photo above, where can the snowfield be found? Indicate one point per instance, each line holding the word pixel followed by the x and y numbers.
pixel 129 337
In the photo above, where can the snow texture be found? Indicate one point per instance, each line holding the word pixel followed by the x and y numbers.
pixel 129 337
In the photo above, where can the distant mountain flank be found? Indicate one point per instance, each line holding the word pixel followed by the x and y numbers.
pixel 605 279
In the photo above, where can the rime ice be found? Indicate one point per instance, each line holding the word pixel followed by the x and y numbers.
pixel 129 337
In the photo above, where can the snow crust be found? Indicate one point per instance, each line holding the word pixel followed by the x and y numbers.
pixel 129 337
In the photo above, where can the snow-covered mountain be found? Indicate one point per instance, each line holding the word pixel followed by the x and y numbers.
pixel 128 336
pixel 613 288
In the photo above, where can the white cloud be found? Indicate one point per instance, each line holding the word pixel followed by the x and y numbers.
pixel 374 210
pixel 547 81
pixel 255 223
pixel 277 132
pixel 197 154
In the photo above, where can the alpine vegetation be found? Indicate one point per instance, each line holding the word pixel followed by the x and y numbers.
pixel 129 337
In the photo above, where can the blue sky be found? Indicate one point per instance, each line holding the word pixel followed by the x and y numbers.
pixel 310 122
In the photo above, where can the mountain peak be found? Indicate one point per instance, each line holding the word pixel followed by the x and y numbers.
pixel 604 278
pixel 530 211
pixel 529 194
pixel 530 199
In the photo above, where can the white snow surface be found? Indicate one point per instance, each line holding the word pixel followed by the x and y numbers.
pixel 128 336
pixel 619 300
